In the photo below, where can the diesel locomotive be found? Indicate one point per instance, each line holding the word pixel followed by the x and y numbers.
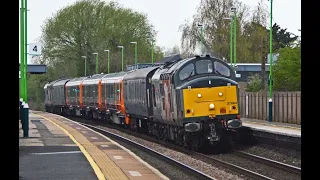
pixel 192 101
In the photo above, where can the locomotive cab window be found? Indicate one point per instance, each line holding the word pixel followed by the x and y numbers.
pixel 186 72
pixel 204 66
pixel 221 69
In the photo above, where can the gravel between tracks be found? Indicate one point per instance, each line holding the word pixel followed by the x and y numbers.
pixel 186 159
pixel 266 170
pixel 291 157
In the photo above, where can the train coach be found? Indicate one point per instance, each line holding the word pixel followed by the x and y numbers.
pixel 191 102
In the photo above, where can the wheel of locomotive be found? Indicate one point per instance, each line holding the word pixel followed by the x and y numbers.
pixel 225 144
pixel 133 125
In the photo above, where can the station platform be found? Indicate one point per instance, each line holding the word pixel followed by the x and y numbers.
pixel 279 134
pixel 58 148
pixel 285 129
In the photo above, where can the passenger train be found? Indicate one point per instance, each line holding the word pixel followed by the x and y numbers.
pixel 192 101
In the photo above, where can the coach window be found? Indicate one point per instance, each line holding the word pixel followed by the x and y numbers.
pixel 103 91
pixel 112 91
pixel 221 69
pixel 154 95
pixel 204 66
pixel 186 72
pixel 90 91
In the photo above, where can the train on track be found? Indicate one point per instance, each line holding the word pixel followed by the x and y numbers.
pixel 192 101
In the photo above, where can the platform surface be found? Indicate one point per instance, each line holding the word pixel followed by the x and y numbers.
pixel 48 153
pixel 292 130
pixel 108 159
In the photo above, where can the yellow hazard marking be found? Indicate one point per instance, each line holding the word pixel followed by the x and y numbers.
pixel 83 150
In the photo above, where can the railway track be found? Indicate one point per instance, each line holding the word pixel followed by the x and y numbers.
pixel 269 162
pixel 203 157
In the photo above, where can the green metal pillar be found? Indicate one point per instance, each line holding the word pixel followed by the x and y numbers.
pixel 270 76
pixel 22 47
pixel 152 51
pixel 235 39
pixel 85 66
pixel 26 51
pixel 136 52
pixel 108 61
pixel 97 64
pixel 231 43
pixel 122 57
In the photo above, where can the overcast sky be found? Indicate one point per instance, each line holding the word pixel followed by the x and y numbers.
pixel 165 15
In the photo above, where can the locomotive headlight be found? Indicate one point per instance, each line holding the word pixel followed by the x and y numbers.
pixel 199 95
pixel 211 106
pixel 220 93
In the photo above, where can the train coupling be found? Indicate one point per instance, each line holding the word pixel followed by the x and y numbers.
pixel 213 136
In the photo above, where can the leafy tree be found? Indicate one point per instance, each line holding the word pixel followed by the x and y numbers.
pixel 83 28
pixel 211 14
pixel 252 36
pixel 281 38
pixel 287 70
pixel 90 26
pixel 259 37
pixel 172 51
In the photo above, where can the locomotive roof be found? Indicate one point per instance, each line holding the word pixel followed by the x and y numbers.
pixel 115 75
pixel 77 79
pixel 170 59
pixel 139 73
pixel 50 83
pixel 60 82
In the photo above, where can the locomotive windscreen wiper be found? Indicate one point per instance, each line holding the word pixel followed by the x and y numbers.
pixel 190 73
pixel 217 72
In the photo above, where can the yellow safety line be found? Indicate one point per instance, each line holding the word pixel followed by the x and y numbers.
pixel 83 150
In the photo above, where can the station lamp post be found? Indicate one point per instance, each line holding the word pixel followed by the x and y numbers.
pixel 201 36
pixel 230 19
pixel 85 65
pixel 234 10
pixel 108 59
pixel 270 76
pixel 121 56
pixel 97 63
pixel 152 51
pixel 135 52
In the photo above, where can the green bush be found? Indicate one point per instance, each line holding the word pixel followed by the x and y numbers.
pixel 287 70
pixel 254 83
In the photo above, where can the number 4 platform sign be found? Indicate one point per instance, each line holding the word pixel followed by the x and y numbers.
pixel 35 49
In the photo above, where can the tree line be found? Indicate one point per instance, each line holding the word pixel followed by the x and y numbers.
pixel 92 26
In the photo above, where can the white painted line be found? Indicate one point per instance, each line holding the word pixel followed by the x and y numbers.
pixel 117 157
pixel 134 173
pixel 49 153
pixel 104 145
pixel 94 138
pixel 84 132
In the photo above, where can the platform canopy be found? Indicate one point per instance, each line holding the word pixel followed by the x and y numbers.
pixel 36 68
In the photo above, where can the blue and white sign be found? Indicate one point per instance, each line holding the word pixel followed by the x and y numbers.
pixel 35 49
